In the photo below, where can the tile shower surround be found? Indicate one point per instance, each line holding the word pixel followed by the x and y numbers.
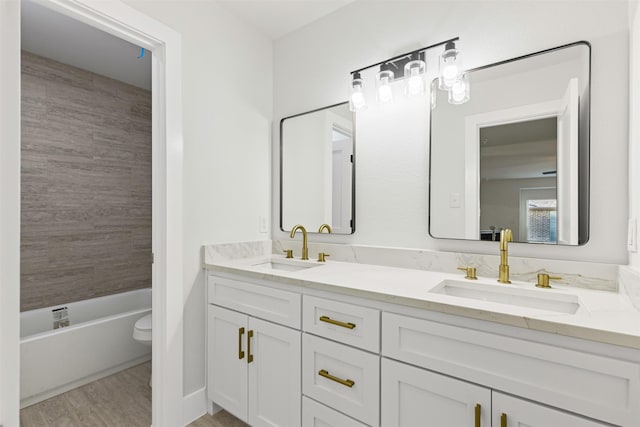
pixel 86 185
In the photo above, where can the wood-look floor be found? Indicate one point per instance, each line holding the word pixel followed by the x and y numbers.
pixel 120 400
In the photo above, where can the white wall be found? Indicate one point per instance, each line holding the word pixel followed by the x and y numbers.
pixel 362 33
pixel 9 213
pixel 227 99
pixel 634 121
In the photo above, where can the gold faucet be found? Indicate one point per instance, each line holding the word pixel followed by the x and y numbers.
pixel 325 227
pixel 305 249
pixel 506 236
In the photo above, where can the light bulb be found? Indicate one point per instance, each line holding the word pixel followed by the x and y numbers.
pixel 450 66
pixel 450 73
pixel 357 101
pixel 415 84
pixel 384 93
pixel 383 84
pixel 415 75
pixel 459 91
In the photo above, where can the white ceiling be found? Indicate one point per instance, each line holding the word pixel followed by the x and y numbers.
pixel 275 18
pixel 58 37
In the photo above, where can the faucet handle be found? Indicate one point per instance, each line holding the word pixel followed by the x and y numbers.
pixel 321 256
pixel 543 280
pixel 470 271
pixel 289 253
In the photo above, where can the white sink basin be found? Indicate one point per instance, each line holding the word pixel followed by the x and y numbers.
pixel 509 295
pixel 273 265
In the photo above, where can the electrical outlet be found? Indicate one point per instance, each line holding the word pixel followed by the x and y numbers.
pixel 632 235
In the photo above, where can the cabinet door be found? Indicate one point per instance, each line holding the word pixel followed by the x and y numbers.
pixel 509 411
pixel 227 360
pixel 416 397
pixel 274 375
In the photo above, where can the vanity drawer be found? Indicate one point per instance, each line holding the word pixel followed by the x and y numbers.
pixel 347 323
pixel 596 386
pixel 259 301
pixel 315 414
pixel 342 377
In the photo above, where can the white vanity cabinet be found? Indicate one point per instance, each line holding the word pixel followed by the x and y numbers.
pixel 509 411
pixel 315 414
pixel 343 377
pixel 413 396
pixel 323 359
pixel 592 385
pixel 253 364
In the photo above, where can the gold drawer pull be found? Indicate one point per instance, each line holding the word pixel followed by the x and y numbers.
pixel 503 420
pixel 326 374
pixel 240 352
pixel 337 322
pixel 478 413
pixel 249 355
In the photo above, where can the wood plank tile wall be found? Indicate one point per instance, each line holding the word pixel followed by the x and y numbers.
pixel 86 185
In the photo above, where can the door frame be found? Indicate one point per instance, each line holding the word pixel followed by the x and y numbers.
pixel 473 124
pixel 123 21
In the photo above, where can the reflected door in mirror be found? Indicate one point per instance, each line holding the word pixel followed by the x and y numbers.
pixel 316 170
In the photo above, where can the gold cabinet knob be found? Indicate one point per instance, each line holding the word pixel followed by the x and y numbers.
pixel 470 272
pixel 543 280
pixel 289 253
pixel 321 256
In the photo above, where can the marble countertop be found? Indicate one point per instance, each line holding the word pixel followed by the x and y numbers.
pixel 603 316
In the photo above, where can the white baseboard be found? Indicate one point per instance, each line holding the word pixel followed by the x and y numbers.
pixel 195 405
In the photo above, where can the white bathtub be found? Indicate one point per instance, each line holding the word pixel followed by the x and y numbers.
pixel 98 342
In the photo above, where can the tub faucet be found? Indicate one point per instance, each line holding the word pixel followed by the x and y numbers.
pixel 305 249
pixel 506 236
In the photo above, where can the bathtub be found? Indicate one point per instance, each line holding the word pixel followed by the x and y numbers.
pixel 98 342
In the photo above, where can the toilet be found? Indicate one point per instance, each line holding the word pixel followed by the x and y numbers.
pixel 142 332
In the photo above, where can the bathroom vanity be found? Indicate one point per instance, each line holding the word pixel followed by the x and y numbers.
pixel 343 344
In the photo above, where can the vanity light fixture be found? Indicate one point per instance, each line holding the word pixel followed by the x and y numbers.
pixel 384 93
pixel 413 68
pixel 450 66
pixel 415 72
pixel 459 91
pixel 357 100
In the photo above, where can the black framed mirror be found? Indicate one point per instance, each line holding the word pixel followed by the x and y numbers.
pixel 317 170
pixel 517 154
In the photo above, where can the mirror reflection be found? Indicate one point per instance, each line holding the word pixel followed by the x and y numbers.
pixel 516 155
pixel 316 170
